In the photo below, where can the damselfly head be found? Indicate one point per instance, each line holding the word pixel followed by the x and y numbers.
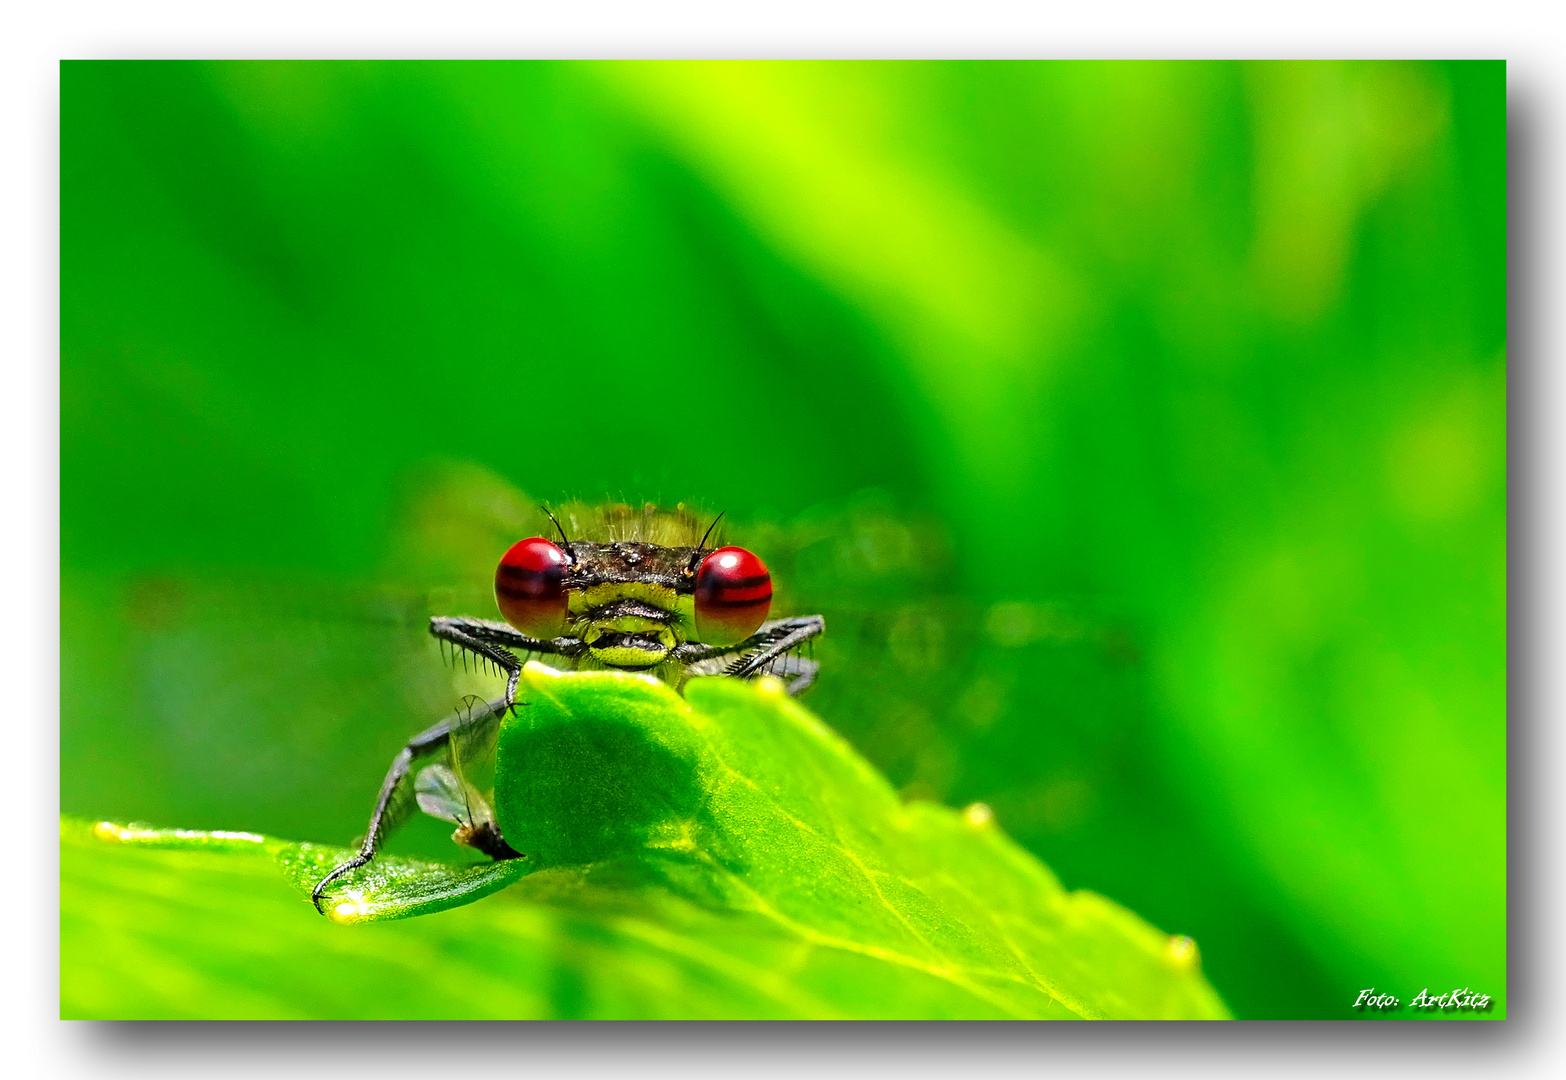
pixel 631 586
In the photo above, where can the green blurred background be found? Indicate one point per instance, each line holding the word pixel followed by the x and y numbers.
pixel 1139 429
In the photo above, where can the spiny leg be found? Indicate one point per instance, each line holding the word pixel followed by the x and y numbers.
pixel 426 742
pixel 764 651
pixel 797 673
pixel 458 632
pixel 503 635
pixel 776 640
pixel 486 640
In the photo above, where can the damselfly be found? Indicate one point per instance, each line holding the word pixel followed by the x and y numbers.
pixel 634 591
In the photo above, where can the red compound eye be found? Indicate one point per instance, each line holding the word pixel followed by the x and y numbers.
pixel 530 587
pixel 733 593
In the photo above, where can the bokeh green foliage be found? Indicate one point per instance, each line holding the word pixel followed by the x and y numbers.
pixel 1139 429
pixel 729 837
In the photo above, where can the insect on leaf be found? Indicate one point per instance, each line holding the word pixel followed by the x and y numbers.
pixel 724 854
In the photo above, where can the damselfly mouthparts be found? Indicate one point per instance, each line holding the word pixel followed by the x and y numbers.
pixel 636 591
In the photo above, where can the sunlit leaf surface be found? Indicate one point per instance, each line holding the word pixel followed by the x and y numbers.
pixel 725 856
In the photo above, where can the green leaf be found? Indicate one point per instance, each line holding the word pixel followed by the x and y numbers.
pixel 719 855
pixel 387 888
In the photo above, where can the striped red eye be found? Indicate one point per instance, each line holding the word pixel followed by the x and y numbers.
pixel 733 593
pixel 530 587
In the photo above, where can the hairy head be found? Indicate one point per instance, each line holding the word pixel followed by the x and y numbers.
pixel 632 585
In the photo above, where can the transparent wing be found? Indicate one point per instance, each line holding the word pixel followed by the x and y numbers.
pixel 440 795
pixel 472 747
pixel 459 790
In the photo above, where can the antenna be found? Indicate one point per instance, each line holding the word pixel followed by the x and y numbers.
pixel 565 544
pixel 690 567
